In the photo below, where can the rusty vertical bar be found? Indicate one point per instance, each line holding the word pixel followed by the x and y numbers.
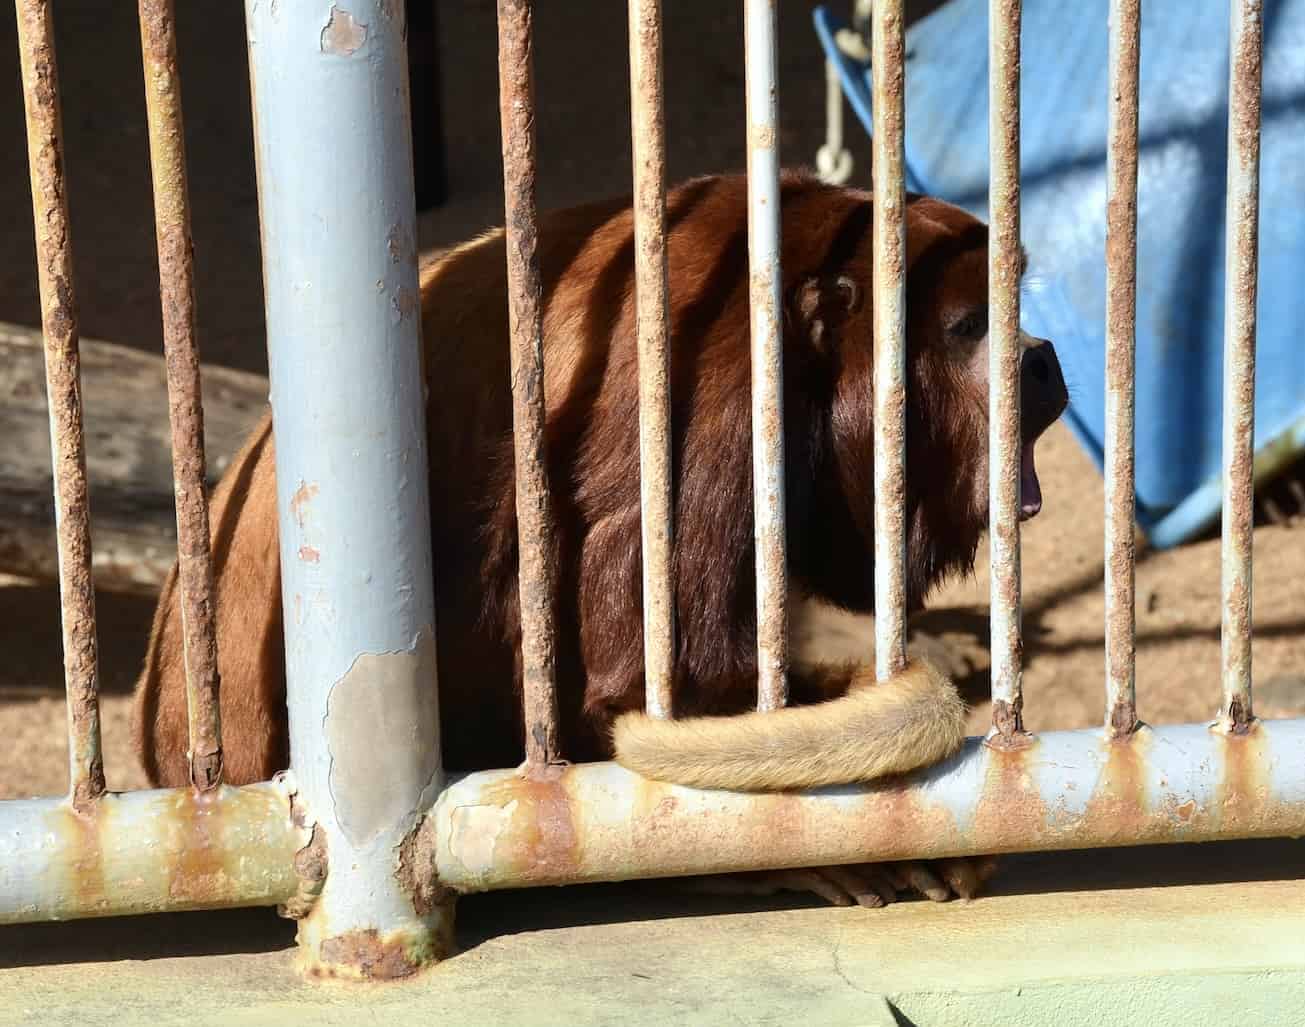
pixel 764 299
pixel 1004 367
pixel 158 35
pixel 1121 335
pixel 516 83
pixel 63 384
pixel 1242 220
pixel 888 167
pixel 652 298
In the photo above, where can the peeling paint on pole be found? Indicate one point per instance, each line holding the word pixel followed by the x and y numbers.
pixel 349 418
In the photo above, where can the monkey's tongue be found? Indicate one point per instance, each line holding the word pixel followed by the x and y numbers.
pixel 1030 490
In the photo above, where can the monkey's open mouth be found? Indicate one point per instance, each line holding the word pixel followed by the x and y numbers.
pixel 1030 490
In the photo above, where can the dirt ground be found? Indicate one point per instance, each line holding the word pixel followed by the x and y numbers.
pixel 584 152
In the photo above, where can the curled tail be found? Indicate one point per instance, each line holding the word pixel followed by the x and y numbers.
pixel 877 728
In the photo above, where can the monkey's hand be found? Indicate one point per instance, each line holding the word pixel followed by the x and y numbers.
pixel 864 884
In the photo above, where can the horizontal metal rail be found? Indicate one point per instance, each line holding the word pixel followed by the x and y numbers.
pixel 150 852
pixel 1064 790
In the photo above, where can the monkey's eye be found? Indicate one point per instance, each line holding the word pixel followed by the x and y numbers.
pixel 971 325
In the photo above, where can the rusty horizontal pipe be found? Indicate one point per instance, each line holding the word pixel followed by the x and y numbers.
pixel 1064 790
pixel 149 852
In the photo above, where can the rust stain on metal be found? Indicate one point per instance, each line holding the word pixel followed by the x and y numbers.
pixel 307 554
pixel 404 303
pixel 418 874
pixel 367 954
pixel 303 495
pixel 1118 810
pixel 144 852
pixel 537 585
pixel 343 35
pixel 1008 726
pixel 311 868
pixel 1243 802
pixel 85 876
pixel 185 407
pixel 199 873
pixel 1005 822
pixel 1122 719
pixel 540 838
pixel 63 387
pixel 652 305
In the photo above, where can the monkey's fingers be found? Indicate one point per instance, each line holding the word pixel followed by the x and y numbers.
pixel 860 884
pixel 922 879
pixel 769 882
pixel 966 875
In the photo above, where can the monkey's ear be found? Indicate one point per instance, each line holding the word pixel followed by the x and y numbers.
pixel 818 308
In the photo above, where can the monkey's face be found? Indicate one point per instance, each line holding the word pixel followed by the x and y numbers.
pixel 947 422
pixel 948 351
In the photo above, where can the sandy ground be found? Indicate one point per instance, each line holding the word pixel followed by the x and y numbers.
pixel 584 152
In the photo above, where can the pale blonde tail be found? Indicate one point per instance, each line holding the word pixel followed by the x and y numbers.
pixel 911 720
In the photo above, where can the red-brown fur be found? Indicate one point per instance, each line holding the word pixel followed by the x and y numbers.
pixel 586 257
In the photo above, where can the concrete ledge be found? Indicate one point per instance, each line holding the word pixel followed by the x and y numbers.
pixel 1146 936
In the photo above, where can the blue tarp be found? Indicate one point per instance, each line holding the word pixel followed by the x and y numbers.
pixel 1182 169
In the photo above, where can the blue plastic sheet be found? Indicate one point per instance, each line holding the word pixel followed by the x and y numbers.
pixel 1181 175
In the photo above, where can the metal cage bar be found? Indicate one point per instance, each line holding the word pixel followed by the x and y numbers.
pixel 889 280
pixel 652 298
pixel 1004 348
pixel 353 506
pixel 537 585
pixel 1241 262
pixel 158 34
pixel 1121 390
pixel 63 385
pixel 765 300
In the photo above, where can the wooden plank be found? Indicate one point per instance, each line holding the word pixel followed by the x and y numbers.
pixel 128 455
